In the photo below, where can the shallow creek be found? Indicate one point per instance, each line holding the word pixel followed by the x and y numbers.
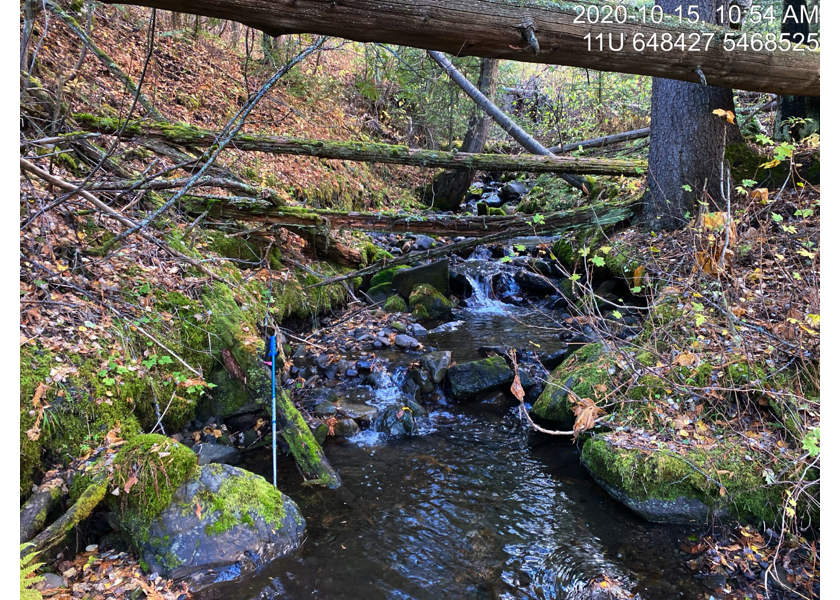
pixel 475 506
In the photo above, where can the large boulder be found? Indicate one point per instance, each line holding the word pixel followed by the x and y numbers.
pixel 698 485
pixel 222 523
pixel 206 523
pixel 513 191
pixel 427 302
pixel 536 283
pixel 471 379
pixel 435 274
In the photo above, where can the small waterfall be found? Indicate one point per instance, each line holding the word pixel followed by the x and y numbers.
pixel 482 299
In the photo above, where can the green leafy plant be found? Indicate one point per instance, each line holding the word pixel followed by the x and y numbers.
pixel 26 578
pixel 811 442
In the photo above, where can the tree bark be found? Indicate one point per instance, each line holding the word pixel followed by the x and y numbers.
pixel 372 152
pixel 450 187
pixel 796 107
pixel 511 128
pixel 687 142
pixel 495 29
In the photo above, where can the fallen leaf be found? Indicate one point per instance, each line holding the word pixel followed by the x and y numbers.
pixel 130 483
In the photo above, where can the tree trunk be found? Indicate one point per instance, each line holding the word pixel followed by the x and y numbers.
pixel 451 186
pixel 687 142
pixel 526 32
pixel 797 108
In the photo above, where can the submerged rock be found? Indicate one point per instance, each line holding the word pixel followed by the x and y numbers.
pixel 471 379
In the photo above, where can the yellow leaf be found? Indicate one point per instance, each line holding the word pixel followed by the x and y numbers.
pixel 686 359
pixel 761 194
pixel 683 433
pixel 637 276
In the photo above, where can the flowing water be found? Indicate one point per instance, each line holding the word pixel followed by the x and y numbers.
pixel 474 507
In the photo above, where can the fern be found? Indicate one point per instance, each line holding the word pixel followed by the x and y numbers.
pixel 26 593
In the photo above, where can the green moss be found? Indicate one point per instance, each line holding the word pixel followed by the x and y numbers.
pixel 496 212
pixel 695 473
pixel 746 164
pixel 160 466
pixel 395 304
pixel 436 305
pixel 383 289
pixel 241 498
pixel 386 275
pixel 420 312
pixel 581 373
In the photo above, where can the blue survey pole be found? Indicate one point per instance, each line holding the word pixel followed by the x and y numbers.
pixel 272 351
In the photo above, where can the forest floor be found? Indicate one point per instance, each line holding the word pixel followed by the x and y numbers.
pixel 85 311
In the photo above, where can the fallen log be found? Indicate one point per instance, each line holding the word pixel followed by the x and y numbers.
pixel 369 152
pixel 607 140
pixel 168 184
pixel 586 36
pixel 33 515
pixel 603 215
pixel 54 534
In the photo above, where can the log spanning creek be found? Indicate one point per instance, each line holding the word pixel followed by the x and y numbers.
pixel 473 505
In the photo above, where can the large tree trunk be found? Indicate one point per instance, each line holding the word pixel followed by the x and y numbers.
pixel 451 186
pixel 796 107
pixel 526 32
pixel 687 142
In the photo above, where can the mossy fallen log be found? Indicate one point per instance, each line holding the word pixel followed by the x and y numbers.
pixel 188 135
pixel 33 515
pixel 54 534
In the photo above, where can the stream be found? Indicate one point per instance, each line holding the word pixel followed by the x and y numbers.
pixel 475 506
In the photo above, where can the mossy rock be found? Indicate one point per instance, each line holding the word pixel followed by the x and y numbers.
pixel 159 465
pixel 472 379
pixel 395 304
pixel 222 523
pixel 380 292
pixel 696 485
pixel 386 275
pixel 432 302
pixel 582 372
